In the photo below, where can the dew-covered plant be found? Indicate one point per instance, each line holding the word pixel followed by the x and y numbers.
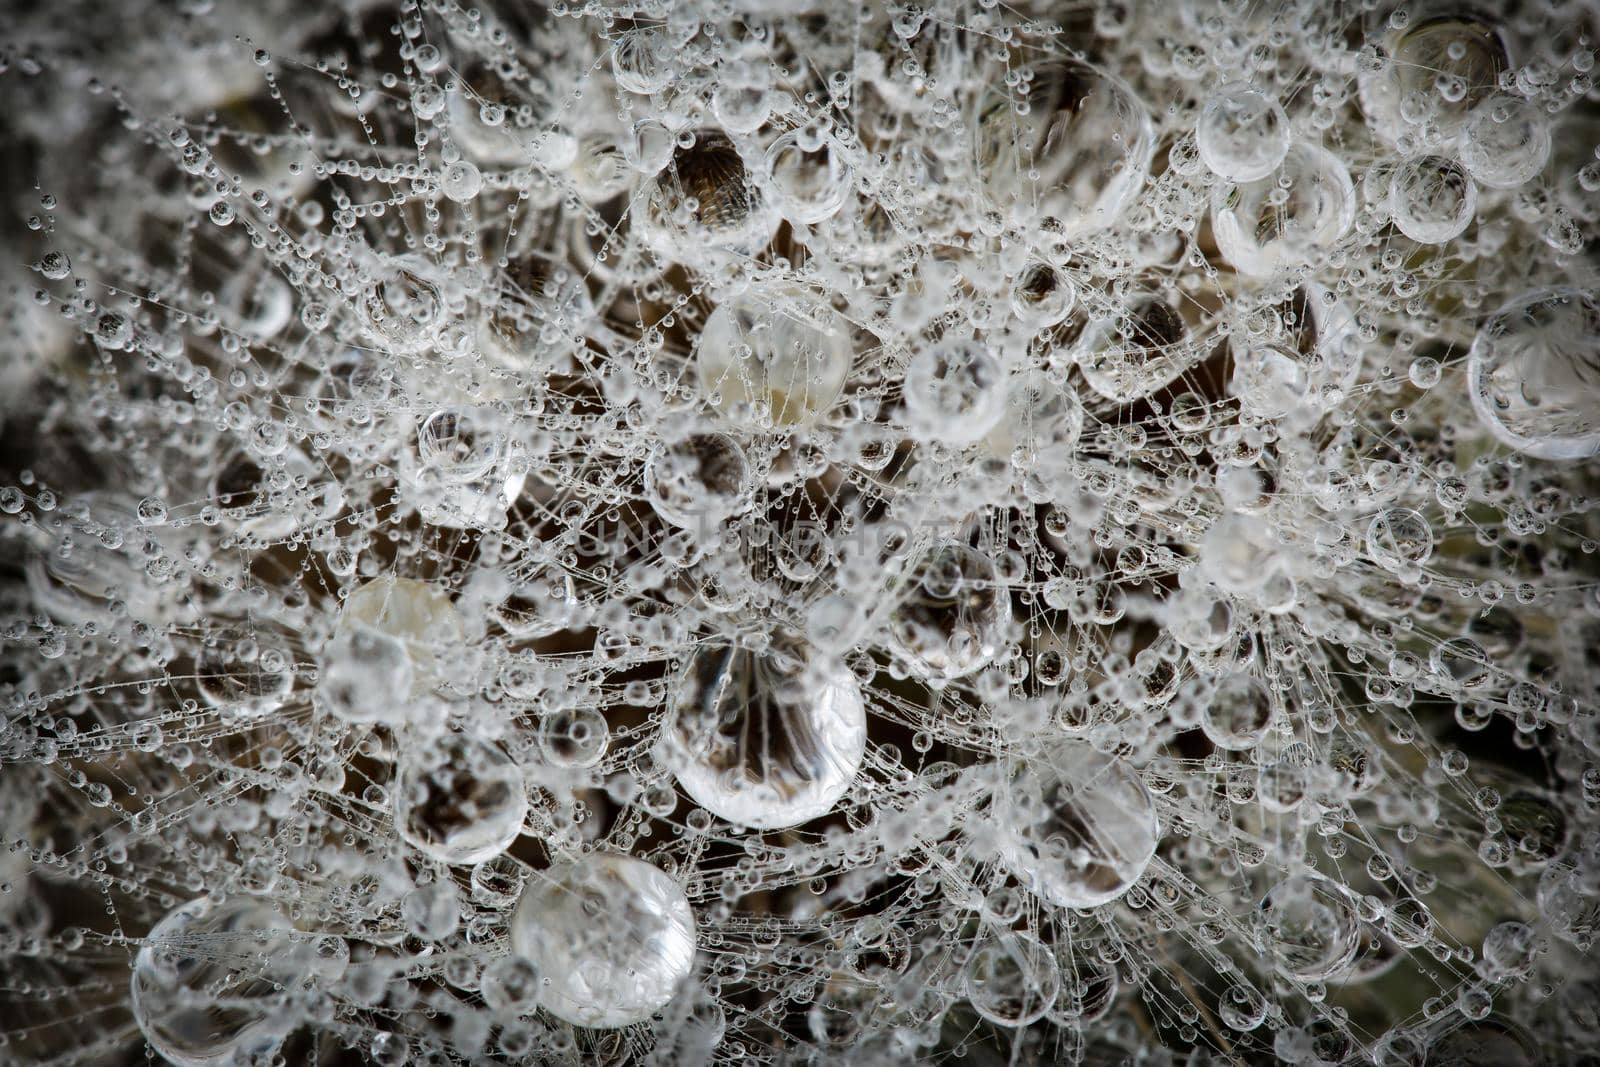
pixel 717 532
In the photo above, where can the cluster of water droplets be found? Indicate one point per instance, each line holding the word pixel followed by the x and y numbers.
pixel 686 533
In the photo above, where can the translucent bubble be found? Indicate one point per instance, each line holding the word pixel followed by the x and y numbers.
pixel 540 602
pixel 403 310
pixel 1286 218
pixel 458 799
pixel 1509 951
pixel 461 181
pixel 1399 540
pixel 1461 661
pixel 244 673
pixel 779 354
pixel 1041 418
pixel 418 615
pixel 1011 979
pixel 1133 347
pixel 55 265
pixel 954 391
pixel 809 175
pixel 697 482
pixel 1310 927
pixel 1243 134
pixel 212 983
pixel 1238 713
pixel 459 445
pixel 510 985
pixel 766 739
pixel 704 199
pixel 641 61
pixel 365 676
pixel 1077 827
pixel 1242 1008
pixel 1534 374
pixel 1042 295
pixel 1505 142
pixel 1081 151
pixel 1269 380
pixel 433 911
pixel 1440 68
pixel 1432 199
pixel 614 937
pixel 953 618
pixel 739 108
pixel 574 737
pixel 1089 986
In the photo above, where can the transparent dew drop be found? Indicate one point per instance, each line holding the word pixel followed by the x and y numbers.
pixel 458 799
pixel 1458 50
pixel 211 984
pixel 1432 199
pixel 809 181
pixel 1079 150
pixel 1042 418
pixel 704 199
pixel 365 677
pixel 459 444
pixel 538 306
pixel 432 912
pixel 1243 134
pixel 541 602
pixel 954 391
pixel 1011 979
pixel 55 265
pixel 1310 927
pixel 614 937
pixel 1505 142
pixel 1399 540
pixel 1533 374
pixel 697 482
pixel 1238 713
pixel 476 110
pixel 461 181
pixel 777 354
pixel 1042 295
pixel 1077 827
pixel 954 615
pixel 641 61
pixel 739 108
pixel 1089 986
pixel 1136 345
pixel 403 310
pixel 420 616
pixel 843 1011
pixel 243 673
pixel 1461 661
pixel 1287 218
pixel 601 170
pixel 574 737
pixel 765 739
pixel 1242 1008
pixel 510 985
pixel 1509 951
